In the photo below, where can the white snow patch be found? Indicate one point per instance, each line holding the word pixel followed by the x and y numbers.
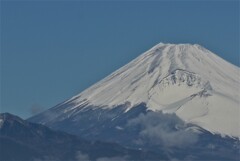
pixel 1 122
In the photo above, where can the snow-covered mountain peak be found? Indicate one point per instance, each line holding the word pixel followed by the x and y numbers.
pixel 185 46
pixel 189 80
pixel 135 81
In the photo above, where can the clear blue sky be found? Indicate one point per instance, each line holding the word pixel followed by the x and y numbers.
pixel 53 50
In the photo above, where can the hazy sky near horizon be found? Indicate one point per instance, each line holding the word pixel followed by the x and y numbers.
pixel 52 50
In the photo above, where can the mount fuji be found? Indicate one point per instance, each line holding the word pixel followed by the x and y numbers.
pixel 183 79
pixel 180 100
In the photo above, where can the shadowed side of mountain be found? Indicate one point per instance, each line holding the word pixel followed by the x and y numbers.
pixel 141 128
pixel 24 141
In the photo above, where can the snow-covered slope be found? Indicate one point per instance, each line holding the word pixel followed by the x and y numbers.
pixel 189 80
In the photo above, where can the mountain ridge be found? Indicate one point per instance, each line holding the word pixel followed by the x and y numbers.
pixel 35 142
